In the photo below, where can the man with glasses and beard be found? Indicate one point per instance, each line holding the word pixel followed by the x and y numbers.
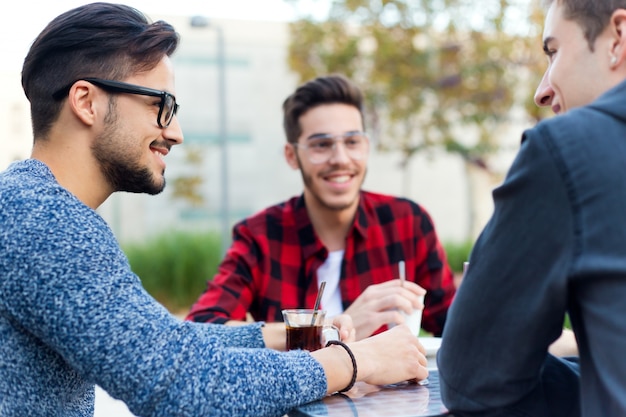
pixel 72 314
pixel 334 232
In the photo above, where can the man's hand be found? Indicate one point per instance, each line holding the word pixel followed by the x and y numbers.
pixel 381 304
pixel 347 332
pixel 565 345
pixel 390 357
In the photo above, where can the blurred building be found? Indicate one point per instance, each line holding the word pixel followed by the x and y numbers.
pixel 257 81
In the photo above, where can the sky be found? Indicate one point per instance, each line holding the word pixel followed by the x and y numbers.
pixel 23 21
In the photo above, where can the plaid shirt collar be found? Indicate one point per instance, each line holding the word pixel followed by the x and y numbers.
pixel 309 241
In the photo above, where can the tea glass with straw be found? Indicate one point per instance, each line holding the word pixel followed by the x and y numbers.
pixel 306 328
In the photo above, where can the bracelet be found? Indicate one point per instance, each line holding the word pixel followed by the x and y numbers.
pixel 343 345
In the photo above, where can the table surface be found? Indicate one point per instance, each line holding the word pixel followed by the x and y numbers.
pixel 399 400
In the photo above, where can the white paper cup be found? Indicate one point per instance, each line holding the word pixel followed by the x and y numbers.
pixel 413 320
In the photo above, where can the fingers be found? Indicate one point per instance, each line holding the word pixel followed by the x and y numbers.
pixel 347 332
pixel 348 337
pixel 391 301
pixel 417 361
pixel 381 304
pixel 392 294
pixel 397 356
pixel 370 317
pixel 388 317
pixel 399 302
pixel 367 322
pixel 343 321
pixel 422 350
pixel 407 285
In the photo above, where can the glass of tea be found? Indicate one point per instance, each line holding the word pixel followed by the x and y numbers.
pixel 307 330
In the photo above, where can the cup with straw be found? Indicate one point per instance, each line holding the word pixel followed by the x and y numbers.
pixel 413 320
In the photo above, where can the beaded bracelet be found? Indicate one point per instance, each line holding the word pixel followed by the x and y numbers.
pixel 343 345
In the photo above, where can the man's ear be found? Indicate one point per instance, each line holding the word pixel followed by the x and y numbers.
pixel 617 54
pixel 83 103
pixel 290 156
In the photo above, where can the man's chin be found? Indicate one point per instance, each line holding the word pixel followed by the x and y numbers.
pixel 338 205
pixel 156 188
pixel 149 191
pixel 155 191
pixel 153 188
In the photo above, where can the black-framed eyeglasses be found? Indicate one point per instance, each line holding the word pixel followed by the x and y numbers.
pixel 167 105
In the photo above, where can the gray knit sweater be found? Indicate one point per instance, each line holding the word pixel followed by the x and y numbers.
pixel 72 314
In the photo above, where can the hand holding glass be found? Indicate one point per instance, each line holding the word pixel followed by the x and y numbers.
pixel 307 330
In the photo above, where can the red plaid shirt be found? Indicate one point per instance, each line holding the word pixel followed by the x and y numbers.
pixel 275 254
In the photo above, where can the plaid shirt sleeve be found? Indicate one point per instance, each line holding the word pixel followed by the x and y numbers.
pixel 433 273
pixel 264 270
pixel 389 230
pixel 231 291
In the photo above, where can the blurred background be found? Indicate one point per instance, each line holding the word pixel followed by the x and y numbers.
pixel 448 85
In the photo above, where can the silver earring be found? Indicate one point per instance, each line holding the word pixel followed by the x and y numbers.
pixel 613 60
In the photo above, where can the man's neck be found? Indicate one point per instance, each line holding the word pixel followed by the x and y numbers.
pixel 75 171
pixel 331 226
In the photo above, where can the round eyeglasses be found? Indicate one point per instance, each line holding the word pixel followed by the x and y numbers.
pixel 167 105
pixel 320 148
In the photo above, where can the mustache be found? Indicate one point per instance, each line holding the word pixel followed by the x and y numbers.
pixel 161 144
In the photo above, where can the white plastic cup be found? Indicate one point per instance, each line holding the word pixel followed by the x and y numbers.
pixel 413 320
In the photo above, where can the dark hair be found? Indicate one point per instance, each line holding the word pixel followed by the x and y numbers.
pixel 591 15
pixel 331 89
pixel 101 40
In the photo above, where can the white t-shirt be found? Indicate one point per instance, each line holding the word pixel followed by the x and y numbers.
pixel 330 272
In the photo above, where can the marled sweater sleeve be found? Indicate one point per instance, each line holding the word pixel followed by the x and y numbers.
pixel 66 281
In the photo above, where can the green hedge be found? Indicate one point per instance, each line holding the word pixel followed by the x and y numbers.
pixel 458 253
pixel 175 266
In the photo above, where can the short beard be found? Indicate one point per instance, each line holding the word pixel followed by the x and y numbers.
pixel 308 183
pixel 118 164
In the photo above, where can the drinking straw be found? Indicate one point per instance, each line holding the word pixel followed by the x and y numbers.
pixel 317 302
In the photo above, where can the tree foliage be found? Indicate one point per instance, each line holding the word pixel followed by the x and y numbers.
pixel 187 186
pixel 435 73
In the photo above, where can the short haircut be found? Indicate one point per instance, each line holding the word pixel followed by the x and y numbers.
pixel 591 15
pixel 330 89
pixel 102 40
